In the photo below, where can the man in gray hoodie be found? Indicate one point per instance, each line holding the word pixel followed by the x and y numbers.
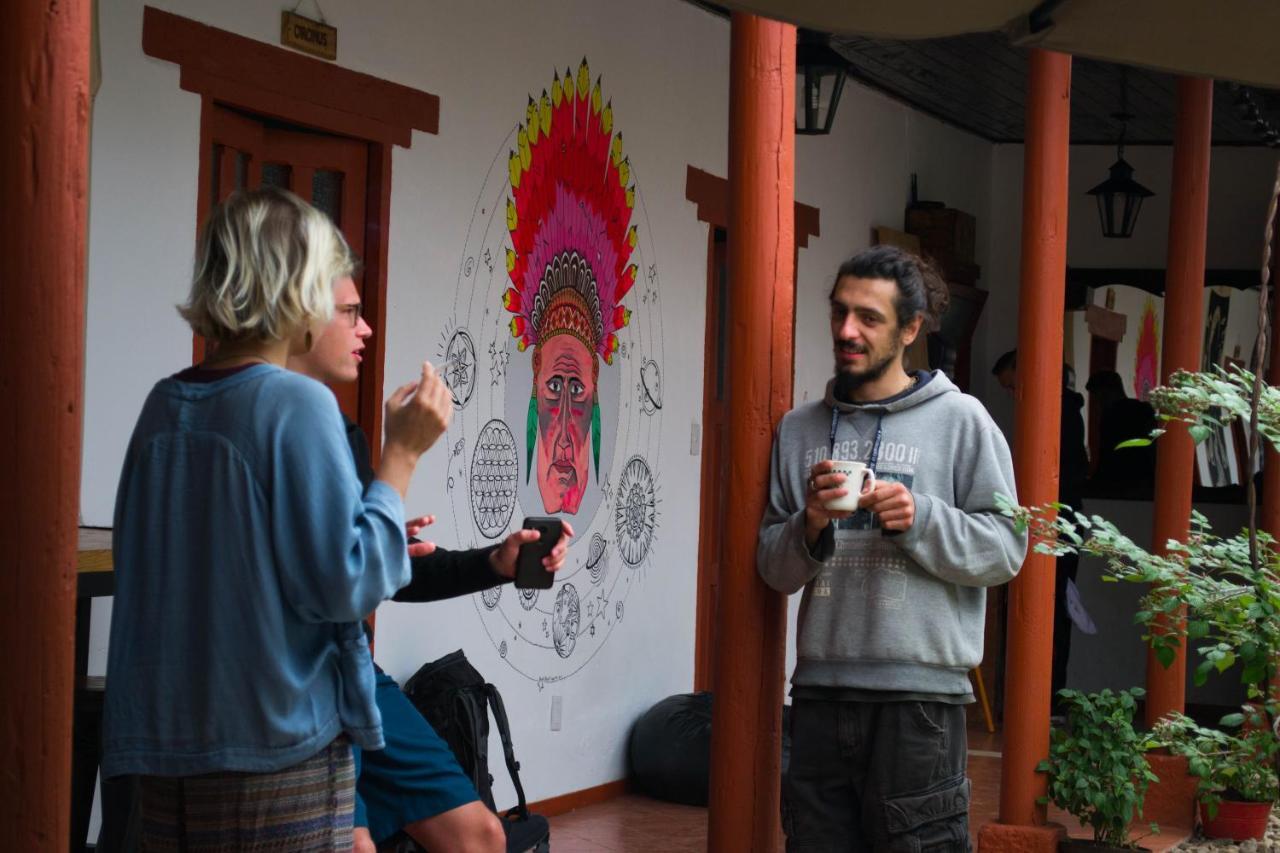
pixel 894 600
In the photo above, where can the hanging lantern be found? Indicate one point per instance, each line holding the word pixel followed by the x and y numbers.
pixel 820 72
pixel 1120 197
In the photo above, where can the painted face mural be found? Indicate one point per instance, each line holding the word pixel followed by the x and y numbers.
pixel 554 354
pixel 569 265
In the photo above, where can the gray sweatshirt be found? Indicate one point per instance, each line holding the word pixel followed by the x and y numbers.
pixel 902 613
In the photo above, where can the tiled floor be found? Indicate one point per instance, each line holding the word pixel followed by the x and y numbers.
pixel 634 824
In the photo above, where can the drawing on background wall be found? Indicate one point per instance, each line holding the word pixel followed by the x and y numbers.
pixel 491 596
pixel 1146 369
pixel 636 511
pixel 559 235
pixel 650 387
pixel 564 625
pixel 598 557
pixel 1216 455
pixel 493 479
pixel 458 366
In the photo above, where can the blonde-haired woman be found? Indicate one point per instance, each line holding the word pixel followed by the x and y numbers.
pixel 247 553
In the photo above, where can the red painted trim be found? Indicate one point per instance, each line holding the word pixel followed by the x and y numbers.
pixel 566 803
pixel 1180 350
pixel 44 168
pixel 711 194
pixel 376 245
pixel 1038 401
pixel 216 58
pixel 751 640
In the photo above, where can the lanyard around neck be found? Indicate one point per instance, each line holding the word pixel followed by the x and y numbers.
pixel 875 445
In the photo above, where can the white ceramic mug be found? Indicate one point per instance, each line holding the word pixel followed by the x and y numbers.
pixel 858 478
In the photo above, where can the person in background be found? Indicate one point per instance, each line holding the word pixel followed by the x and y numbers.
pixel 413 785
pixel 894 604
pixel 247 552
pixel 1122 471
pixel 1073 472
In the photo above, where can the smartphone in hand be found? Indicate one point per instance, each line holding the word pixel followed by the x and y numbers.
pixel 530 573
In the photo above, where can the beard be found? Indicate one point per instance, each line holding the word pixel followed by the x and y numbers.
pixel 848 381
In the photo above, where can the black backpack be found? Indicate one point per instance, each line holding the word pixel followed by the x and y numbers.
pixel 456 700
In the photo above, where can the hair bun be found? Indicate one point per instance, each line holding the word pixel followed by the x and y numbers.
pixel 937 293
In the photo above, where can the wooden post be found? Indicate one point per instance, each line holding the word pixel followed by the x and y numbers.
pixel 1180 350
pixel 44 110
pixel 748 677
pixel 1037 412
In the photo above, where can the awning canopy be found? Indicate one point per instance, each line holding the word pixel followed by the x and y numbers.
pixel 1224 39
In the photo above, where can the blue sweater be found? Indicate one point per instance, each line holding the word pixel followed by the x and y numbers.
pixel 246 554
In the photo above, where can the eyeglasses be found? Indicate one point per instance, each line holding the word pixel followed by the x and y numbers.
pixel 351 312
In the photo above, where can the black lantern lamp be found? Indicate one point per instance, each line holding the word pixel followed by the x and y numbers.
pixel 1120 196
pixel 820 71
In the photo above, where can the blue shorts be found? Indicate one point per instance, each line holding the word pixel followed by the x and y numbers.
pixel 415 777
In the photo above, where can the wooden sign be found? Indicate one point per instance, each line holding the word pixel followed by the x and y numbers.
pixel 313 37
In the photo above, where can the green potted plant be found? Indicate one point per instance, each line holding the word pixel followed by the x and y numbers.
pixel 1097 768
pixel 1236 772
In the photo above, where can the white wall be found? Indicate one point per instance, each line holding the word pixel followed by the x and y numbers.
pixel 665 67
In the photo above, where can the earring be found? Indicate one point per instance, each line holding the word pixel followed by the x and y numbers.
pixel 531 434
pixel 595 432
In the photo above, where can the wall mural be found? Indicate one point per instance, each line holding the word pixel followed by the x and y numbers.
pixel 1146 369
pixel 554 357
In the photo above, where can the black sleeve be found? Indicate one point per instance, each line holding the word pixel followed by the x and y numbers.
pixel 446 574
pixel 442 573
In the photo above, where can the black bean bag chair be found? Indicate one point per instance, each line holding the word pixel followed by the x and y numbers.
pixel 669 750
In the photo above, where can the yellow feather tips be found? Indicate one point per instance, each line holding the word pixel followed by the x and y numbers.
pixel 632 236
pixel 631 196
pixel 624 172
pixel 584 79
pixel 557 91
pixel 521 345
pixel 512 220
pixel 544 113
pixel 615 150
pixel 513 167
pixel 531 120
pixel 595 98
pixel 511 262
pixel 526 155
pixel 606 118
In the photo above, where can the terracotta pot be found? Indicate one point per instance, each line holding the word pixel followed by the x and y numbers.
pixel 1236 820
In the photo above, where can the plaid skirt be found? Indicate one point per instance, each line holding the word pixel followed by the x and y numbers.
pixel 306 808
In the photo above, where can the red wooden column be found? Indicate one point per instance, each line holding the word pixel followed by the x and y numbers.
pixel 44 110
pixel 1038 403
pixel 1180 350
pixel 748 677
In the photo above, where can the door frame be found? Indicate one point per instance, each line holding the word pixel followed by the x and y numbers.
pixel 224 68
pixel 711 195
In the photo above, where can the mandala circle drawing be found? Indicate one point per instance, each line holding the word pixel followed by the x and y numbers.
pixel 493 479
pixel 650 387
pixel 618 610
pixel 564 623
pixel 635 511
pixel 528 598
pixel 460 367
pixel 502 649
pixel 598 557
pixel 491 596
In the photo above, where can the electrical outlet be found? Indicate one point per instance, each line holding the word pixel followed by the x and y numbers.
pixel 695 438
pixel 557 706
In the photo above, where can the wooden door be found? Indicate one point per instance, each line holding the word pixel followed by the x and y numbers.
pixel 329 171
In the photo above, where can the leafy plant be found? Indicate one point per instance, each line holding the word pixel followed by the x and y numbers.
pixel 1229 766
pixel 1097 768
